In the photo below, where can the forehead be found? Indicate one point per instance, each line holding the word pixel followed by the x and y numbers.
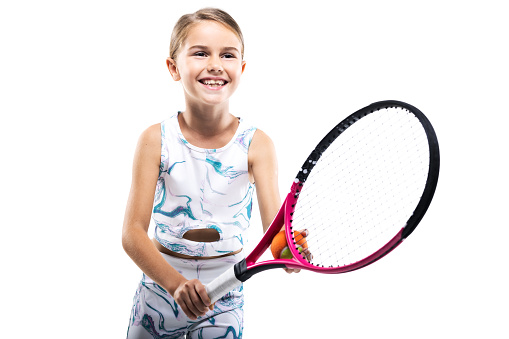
pixel 213 34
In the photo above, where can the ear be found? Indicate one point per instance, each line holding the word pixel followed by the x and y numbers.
pixel 243 66
pixel 172 67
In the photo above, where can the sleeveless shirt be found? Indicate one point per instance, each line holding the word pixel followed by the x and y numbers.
pixel 202 188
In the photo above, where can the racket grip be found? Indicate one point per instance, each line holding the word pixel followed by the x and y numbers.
pixel 223 284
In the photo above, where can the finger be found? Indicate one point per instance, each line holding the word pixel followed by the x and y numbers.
pixel 183 305
pixel 198 303
pixel 202 293
pixel 302 233
pixel 307 254
pixel 187 304
pixel 193 304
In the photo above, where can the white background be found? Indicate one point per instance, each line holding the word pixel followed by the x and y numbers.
pixel 80 80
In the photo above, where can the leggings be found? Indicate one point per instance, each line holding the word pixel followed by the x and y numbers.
pixel 155 314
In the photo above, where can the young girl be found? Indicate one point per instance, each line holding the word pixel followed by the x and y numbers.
pixel 194 173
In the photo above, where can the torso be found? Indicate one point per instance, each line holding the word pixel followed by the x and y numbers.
pixel 204 235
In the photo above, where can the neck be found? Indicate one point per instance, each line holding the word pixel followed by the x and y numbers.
pixel 207 120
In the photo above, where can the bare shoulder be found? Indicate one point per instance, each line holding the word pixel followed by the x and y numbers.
pixel 261 144
pixel 149 144
pixel 151 135
pixel 262 153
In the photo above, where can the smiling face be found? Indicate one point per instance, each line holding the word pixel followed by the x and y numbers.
pixel 209 64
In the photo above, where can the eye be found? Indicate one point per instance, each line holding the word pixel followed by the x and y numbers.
pixel 228 56
pixel 200 54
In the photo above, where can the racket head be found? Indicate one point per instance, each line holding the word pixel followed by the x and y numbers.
pixel 406 156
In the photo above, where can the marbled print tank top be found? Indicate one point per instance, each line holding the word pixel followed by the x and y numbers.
pixel 202 188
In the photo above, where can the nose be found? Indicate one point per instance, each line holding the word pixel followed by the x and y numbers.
pixel 215 65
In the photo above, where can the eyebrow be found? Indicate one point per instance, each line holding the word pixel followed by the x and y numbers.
pixel 206 47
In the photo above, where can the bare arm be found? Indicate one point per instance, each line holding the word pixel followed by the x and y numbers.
pixel 190 295
pixel 263 164
pixel 264 170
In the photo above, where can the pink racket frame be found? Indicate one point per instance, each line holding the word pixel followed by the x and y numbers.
pixel 284 217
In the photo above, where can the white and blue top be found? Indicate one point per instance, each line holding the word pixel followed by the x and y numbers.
pixel 203 188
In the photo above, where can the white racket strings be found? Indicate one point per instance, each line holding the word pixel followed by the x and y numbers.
pixel 364 187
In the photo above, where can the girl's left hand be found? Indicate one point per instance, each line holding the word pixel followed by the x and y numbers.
pixel 306 252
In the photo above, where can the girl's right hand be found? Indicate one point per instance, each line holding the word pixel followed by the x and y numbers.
pixel 193 298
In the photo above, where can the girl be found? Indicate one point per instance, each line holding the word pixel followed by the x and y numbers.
pixel 194 173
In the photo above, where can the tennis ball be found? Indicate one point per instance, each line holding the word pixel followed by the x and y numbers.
pixel 279 247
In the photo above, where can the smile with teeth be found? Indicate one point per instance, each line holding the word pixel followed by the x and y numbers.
pixel 213 83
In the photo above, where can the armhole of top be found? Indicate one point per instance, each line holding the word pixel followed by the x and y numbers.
pixel 163 165
pixel 254 129
pixel 252 134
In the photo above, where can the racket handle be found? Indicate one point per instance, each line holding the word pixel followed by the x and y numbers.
pixel 223 284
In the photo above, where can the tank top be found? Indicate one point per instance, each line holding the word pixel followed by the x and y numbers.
pixel 202 188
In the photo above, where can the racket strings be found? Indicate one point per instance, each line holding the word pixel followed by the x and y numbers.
pixel 363 188
pixel 363 198
pixel 346 148
pixel 330 170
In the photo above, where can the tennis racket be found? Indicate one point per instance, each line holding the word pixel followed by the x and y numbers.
pixel 359 194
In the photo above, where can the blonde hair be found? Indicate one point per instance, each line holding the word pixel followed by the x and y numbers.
pixel 186 22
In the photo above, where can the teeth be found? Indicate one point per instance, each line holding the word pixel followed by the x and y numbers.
pixel 213 82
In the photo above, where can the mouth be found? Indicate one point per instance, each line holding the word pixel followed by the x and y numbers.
pixel 213 83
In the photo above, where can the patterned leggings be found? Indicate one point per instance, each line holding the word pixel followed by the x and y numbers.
pixel 155 314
